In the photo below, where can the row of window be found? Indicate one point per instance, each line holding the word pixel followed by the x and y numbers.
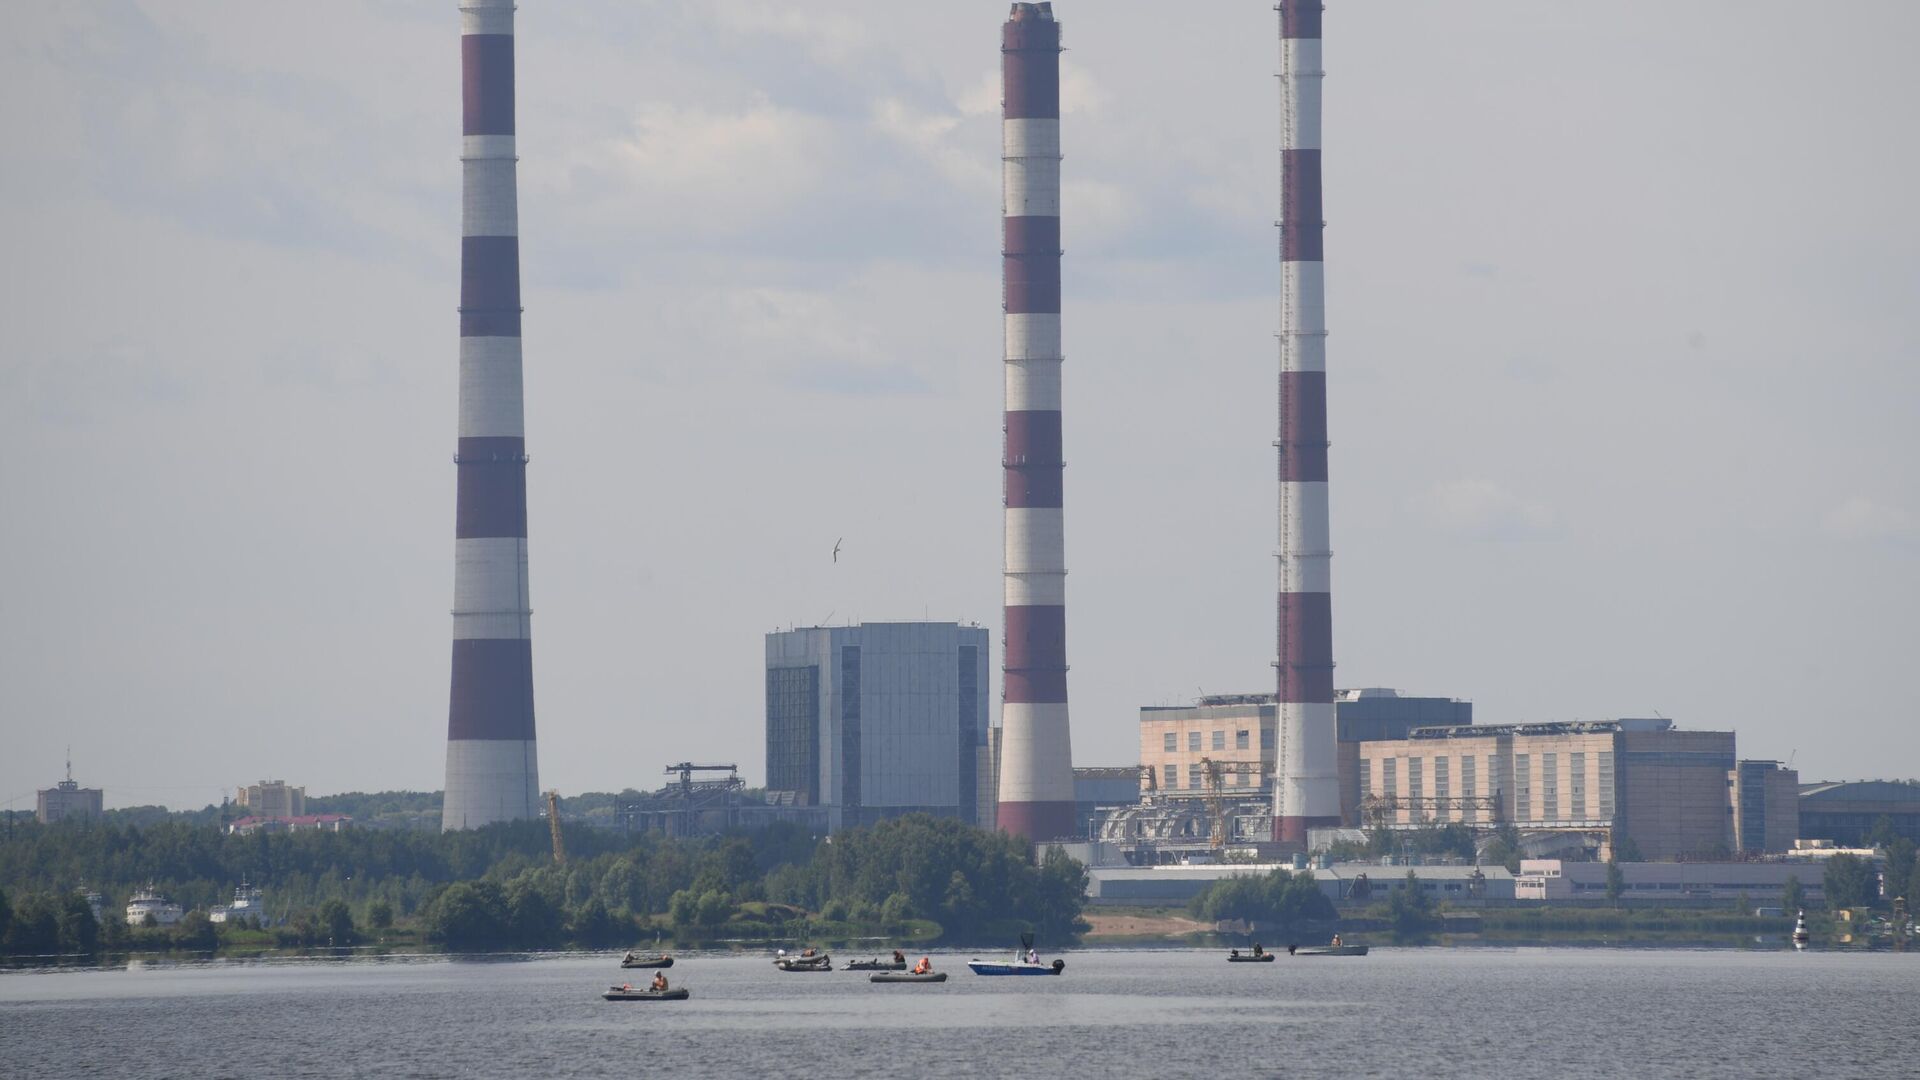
pixel 1233 774
pixel 1242 740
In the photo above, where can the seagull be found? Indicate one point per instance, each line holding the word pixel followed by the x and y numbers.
pixel 836 548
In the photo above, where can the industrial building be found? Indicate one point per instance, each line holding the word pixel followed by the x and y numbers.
pixel 1355 883
pixel 1098 787
pixel 1238 732
pixel 1036 762
pixel 68 801
pixel 878 719
pixel 1594 784
pixel 1766 807
pixel 1666 884
pixel 1846 811
pixel 272 799
pixel 492 767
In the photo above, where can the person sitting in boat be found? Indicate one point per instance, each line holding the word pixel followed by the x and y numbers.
pixel 1257 951
pixel 899 957
pixel 659 981
pixel 924 967
pixel 1033 956
pixel 1336 941
pixel 806 952
pixel 1235 952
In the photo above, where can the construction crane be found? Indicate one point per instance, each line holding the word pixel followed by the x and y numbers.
pixel 1216 804
pixel 553 823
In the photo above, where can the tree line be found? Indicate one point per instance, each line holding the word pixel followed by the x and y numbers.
pixel 500 886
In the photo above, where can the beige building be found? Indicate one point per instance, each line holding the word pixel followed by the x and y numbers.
pixel 1638 779
pixel 273 799
pixel 1237 730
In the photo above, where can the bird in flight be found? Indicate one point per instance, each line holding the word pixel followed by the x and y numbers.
pixel 836 548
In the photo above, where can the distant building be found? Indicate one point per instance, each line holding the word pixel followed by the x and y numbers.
pixel 1237 731
pixel 1664 883
pixel 316 822
pixel 272 799
pixel 1096 787
pixel 1846 811
pixel 1766 807
pixel 880 719
pixel 1664 789
pixel 68 801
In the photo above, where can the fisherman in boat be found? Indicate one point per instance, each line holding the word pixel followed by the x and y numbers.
pixel 1336 941
pixel 1033 956
pixel 1257 951
pixel 899 957
pixel 806 952
pixel 659 982
pixel 1235 953
pixel 924 967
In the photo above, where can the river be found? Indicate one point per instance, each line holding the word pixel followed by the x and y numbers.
pixel 1402 1012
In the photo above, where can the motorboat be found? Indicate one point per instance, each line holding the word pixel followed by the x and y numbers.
pixel 1326 950
pixel 1016 967
pixel 661 960
pixel 875 965
pixel 908 977
pixel 629 993
pixel 1238 957
pixel 789 962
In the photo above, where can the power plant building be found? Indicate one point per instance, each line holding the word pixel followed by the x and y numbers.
pixel 1766 807
pixel 1845 812
pixel 272 799
pixel 1631 779
pixel 878 720
pixel 492 770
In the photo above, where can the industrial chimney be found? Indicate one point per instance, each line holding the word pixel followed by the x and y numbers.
pixel 1306 789
pixel 1036 762
pixel 491 770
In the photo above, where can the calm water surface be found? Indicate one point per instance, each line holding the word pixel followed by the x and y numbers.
pixel 1399 1012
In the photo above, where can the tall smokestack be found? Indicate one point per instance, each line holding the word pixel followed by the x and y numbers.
pixel 1036 765
pixel 491 771
pixel 1306 790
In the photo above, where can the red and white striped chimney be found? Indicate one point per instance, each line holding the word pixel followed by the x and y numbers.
pixel 1306 790
pixel 1036 756
pixel 491 770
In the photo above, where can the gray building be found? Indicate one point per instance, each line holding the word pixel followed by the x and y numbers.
pixel 878 720
pixel 68 801
pixel 1845 812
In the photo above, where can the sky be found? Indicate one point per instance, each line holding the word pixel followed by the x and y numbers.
pixel 1622 369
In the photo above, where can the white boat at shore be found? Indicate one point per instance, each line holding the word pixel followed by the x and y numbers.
pixel 146 903
pixel 247 904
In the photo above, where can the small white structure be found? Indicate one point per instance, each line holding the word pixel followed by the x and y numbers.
pixel 147 902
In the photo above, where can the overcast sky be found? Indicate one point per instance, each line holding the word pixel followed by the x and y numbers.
pixel 1625 324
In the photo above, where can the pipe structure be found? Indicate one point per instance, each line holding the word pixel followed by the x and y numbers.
pixel 1306 789
pixel 491 767
pixel 1036 763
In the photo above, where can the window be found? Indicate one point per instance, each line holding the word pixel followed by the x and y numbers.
pixel 1172 777
pixel 1414 787
pixel 1388 788
pixel 1240 740
pixel 1219 740
pixel 1170 742
pixel 1440 789
pixel 1193 777
pixel 1193 741
pixel 1466 785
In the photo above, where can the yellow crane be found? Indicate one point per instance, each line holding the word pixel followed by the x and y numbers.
pixel 553 823
pixel 1216 804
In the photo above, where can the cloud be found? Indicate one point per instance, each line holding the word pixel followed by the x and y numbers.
pixel 1483 510
pixel 1863 519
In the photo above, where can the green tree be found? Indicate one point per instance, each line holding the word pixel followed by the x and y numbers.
pixel 532 916
pixel 333 922
pixel 35 927
pixel 1793 895
pixel 1626 850
pixel 1616 882
pixel 468 913
pixel 1410 908
pixel 593 925
pixel 6 911
pixel 1900 865
pixel 79 931
pixel 1848 881
pixel 380 915
pixel 195 931
pixel 713 908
